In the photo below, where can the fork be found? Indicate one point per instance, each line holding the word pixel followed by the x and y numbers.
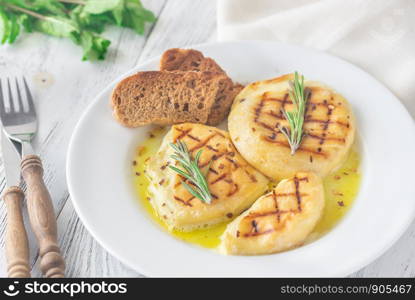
pixel 20 125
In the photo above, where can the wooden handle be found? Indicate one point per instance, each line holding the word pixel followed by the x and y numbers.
pixel 17 248
pixel 42 217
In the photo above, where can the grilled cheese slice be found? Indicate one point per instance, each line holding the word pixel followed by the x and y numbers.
pixel 278 221
pixel 233 183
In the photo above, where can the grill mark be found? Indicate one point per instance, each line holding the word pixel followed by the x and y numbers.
pixel 269 213
pixel 258 110
pixel 255 226
pixel 323 138
pixel 221 177
pixel 340 123
pixel 274 197
pixel 211 148
pixel 326 124
pixel 297 192
pixel 213 158
pixel 203 143
pixel 179 182
pixel 277 211
pixel 182 201
pixel 273 114
pixel 234 190
pixel 213 171
pixel 325 104
pixel 266 126
pixel 251 176
pixel 280 116
pixel 282 107
pixel 302 149
pixel 182 134
pixel 258 233
pixel 193 137
pixel 232 162
pixel 216 157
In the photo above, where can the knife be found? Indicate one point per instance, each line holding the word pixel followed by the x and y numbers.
pixel 17 249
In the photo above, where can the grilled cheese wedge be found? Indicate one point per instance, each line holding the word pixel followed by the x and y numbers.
pixel 278 221
pixel 233 183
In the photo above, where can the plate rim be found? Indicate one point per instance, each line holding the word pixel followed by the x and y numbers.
pixel 96 99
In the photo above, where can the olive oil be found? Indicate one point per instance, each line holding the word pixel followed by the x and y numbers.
pixel 208 238
pixel 340 189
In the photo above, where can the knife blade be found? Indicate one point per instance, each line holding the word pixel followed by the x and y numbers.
pixel 11 160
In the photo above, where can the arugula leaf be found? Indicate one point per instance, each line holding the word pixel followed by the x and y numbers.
pixel 4 26
pixel 101 6
pixel 95 47
pixel 26 22
pixel 94 23
pixel 115 7
pixel 137 9
pixel 14 29
pixel 57 26
pixel 48 6
pixel 136 15
pixel 81 21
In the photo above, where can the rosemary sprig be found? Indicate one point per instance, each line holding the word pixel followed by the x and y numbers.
pixel 191 172
pixel 299 95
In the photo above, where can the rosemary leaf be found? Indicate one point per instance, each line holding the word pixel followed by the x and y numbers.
pixel 299 95
pixel 190 170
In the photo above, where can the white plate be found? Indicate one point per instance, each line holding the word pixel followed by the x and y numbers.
pixel 100 183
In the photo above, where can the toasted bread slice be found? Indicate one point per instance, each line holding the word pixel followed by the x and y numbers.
pixel 192 60
pixel 164 98
pixel 176 59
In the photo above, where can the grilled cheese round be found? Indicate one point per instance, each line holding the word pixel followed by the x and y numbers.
pixel 257 117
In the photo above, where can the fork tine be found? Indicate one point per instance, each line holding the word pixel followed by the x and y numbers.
pixel 2 104
pixel 11 102
pixel 19 96
pixel 29 97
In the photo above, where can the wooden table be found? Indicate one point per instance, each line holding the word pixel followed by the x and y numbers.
pixel 63 87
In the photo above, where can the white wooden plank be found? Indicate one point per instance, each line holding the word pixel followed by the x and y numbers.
pixel 84 257
pixel 182 23
pixel 174 15
pixel 63 86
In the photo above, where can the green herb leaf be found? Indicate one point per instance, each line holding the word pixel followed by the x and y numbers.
pixel 101 6
pixel 90 22
pixel 95 47
pixel 191 172
pixel 79 20
pixel 299 96
pixel 48 6
pixel 135 17
pixel 26 22
pixel 57 26
pixel 4 26
pixel 14 29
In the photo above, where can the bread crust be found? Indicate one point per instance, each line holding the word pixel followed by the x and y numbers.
pixel 164 98
pixel 184 60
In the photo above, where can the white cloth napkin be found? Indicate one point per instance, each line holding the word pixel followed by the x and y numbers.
pixel 377 35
